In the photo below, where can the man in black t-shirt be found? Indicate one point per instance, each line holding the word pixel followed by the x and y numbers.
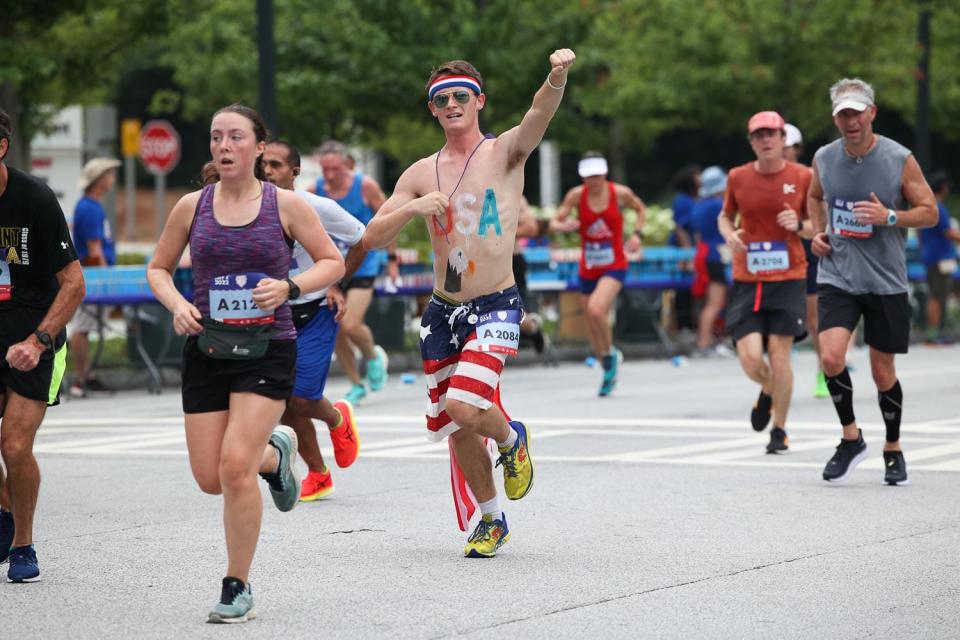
pixel 41 285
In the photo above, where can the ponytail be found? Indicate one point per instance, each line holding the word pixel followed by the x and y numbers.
pixel 209 174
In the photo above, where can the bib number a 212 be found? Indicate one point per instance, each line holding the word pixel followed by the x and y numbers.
pixel 231 299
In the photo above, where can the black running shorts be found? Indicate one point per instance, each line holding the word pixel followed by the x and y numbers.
pixel 208 383
pixel 886 319
pixel 767 308
pixel 42 383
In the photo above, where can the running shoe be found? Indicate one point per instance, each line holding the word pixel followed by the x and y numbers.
pixel 23 565
pixel 820 390
pixel 236 603
pixel 611 365
pixel 345 439
pixel 357 393
pixel 760 413
pixel 517 464
pixel 778 441
pixel 489 535
pixel 6 534
pixel 721 350
pixel 316 485
pixel 894 468
pixel 284 484
pixel 849 454
pixel 377 369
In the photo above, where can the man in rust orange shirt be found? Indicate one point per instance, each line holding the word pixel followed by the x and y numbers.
pixel 763 220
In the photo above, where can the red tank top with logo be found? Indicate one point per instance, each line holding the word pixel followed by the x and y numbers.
pixel 601 237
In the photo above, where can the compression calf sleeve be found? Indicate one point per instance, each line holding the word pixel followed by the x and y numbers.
pixel 841 391
pixel 891 406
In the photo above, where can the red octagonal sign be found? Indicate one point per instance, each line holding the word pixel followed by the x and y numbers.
pixel 159 146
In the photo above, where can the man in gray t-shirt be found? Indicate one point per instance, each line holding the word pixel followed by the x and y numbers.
pixel 866 191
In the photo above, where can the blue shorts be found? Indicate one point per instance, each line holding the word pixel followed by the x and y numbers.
pixel 587 286
pixel 314 350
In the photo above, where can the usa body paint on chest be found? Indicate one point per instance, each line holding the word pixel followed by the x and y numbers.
pixel 463 216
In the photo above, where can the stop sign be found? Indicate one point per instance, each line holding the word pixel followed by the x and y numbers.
pixel 159 146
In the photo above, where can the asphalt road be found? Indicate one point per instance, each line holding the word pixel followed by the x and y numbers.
pixel 655 514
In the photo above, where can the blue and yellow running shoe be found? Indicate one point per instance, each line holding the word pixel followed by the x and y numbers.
pixel 489 535
pixel 517 464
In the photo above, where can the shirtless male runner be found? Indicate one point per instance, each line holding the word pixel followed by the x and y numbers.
pixel 469 194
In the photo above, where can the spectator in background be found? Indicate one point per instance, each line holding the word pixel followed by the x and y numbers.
pixel 939 254
pixel 93 239
pixel 686 181
pixel 710 264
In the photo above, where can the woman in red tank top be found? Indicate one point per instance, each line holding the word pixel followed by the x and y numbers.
pixel 603 261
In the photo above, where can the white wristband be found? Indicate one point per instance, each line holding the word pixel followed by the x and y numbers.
pixel 552 85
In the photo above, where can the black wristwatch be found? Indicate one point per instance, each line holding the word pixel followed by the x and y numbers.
pixel 294 289
pixel 44 339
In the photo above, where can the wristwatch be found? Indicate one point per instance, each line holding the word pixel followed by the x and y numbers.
pixel 891 217
pixel 294 290
pixel 44 339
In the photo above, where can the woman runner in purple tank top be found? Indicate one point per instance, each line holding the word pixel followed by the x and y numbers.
pixel 241 232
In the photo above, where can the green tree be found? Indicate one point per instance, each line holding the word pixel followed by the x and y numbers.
pixel 55 54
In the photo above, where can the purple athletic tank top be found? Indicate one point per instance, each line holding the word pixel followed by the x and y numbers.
pixel 260 246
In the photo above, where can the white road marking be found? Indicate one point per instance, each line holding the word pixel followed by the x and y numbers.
pixel 715 442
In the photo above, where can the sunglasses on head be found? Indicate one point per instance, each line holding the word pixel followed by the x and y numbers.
pixel 442 99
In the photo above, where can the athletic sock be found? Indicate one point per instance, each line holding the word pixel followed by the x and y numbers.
pixel 339 420
pixel 891 406
pixel 841 392
pixel 511 439
pixel 491 508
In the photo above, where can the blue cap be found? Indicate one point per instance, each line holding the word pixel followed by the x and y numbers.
pixel 713 180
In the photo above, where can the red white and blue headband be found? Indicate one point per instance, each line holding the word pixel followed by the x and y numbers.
pixel 453 81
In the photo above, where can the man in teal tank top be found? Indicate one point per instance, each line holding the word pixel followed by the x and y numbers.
pixel 866 191
pixel 361 196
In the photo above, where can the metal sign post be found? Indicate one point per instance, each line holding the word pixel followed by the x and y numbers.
pixel 160 153
pixel 130 146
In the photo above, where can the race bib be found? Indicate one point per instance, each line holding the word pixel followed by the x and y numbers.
pixel 499 331
pixel 845 223
pixel 598 254
pixel 231 299
pixel 6 286
pixel 767 257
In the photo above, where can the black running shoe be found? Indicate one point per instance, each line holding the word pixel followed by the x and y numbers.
pixel 760 414
pixel 849 454
pixel 778 441
pixel 895 468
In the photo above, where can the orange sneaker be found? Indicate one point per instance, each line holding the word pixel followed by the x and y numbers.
pixel 315 486
pixel 346 440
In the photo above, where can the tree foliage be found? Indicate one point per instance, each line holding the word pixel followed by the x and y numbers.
pixel 355 69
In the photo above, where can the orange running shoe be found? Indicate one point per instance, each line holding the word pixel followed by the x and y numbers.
pixel 346 440
pixel 315 486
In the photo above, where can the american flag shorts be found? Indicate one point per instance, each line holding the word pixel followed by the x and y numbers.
pixel 455 365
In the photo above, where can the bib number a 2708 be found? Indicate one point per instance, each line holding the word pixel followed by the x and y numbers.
pixel 767 257
pixel 231 299
pixel 499 331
